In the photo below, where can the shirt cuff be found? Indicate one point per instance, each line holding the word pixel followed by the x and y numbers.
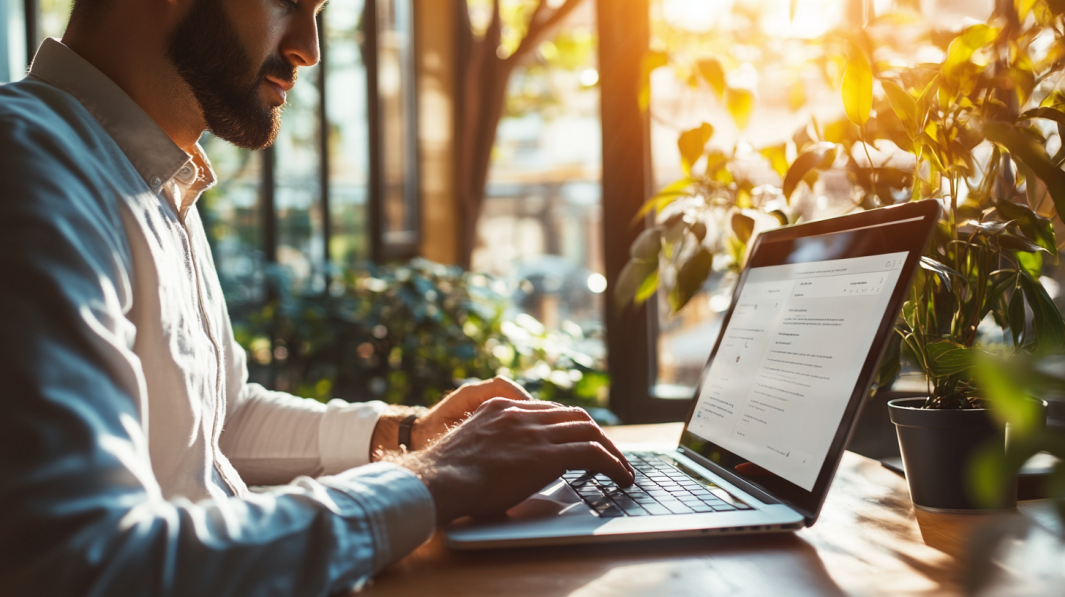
pixel 398 505
pixel 346 432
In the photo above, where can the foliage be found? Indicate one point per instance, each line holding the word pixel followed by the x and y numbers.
pixel 972 132
pixel 1010 383
pixel 410 334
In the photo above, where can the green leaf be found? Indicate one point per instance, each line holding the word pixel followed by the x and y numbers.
pixel 987 475
pixel 904 105
pixel 1026 150
pixel 1046 319
pixel 740 104
pixel 742 227
pixel 647 245
pixel 1017 243
pixel 690 278
pixel 647 288
pixel 858 88
pixel 1035 227
pixel 943 272
pixel 698 230
pixel 819 157
pixel 632 278
pixel 691 144
pixel 947 358
pixel 1031 263
pixel 712 72
pixel 778 157
pixel 1016 316
pixel 1047 113
pixel 663 198
pixel 965 45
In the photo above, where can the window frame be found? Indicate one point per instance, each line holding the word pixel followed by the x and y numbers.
pixel 379 249
pixel 628 180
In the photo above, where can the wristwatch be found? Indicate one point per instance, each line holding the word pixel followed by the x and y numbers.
pixel 405 427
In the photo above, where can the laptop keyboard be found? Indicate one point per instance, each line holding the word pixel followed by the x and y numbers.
pixel 660 488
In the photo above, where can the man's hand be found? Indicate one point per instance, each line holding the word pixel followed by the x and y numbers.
pixel 449 412
pixel 507 450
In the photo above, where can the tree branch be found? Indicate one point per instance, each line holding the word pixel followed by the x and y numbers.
pixel 540 26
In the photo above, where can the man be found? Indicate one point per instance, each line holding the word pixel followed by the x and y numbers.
pixel 128 432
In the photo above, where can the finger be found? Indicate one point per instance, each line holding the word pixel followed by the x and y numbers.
pixel 593 456
pixel 584 432
pixel 521 405
pixel 472 395
pixel 508 388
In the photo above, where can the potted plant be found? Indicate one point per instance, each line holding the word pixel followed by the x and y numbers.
pixel 972 132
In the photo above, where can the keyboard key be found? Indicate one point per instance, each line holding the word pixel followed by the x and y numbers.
pixel 656 509
pixel 701 508
pixel 679 509
pixel 611 512
pixel 632 510
pixel 724 508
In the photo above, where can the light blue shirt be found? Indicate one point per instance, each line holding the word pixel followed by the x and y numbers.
pixel 128 430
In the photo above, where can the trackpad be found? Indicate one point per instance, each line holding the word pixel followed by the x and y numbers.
pixel 557 499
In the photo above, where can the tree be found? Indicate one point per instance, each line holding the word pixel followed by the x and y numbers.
pixel 486 72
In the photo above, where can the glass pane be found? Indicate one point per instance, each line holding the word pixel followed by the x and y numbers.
pixel 12 41
pixel 541 225
pixel 54 17
pixel 395 81
pixel 232 219
pixel 765 50
pixel 348 132
pixel 297 190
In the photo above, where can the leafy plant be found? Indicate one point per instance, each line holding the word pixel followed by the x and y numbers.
pixel 410 334
pixel 972 132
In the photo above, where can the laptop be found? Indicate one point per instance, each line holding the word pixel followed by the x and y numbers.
pixel 810 318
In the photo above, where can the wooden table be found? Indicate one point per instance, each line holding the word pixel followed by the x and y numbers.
pixel 869 540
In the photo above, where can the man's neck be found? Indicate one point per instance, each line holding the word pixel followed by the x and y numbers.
pixel 137 64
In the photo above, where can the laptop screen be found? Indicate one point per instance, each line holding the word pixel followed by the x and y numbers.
pixel 799 347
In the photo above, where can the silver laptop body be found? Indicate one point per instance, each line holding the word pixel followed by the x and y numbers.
pixel 810 318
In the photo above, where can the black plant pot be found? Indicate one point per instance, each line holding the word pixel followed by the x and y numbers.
pixel 937 446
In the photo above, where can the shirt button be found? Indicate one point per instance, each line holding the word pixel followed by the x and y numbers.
pixel 155 181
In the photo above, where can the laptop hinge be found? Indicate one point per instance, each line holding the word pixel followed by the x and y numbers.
pixel 736 480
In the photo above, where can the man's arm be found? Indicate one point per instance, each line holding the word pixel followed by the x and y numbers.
pixel 81 512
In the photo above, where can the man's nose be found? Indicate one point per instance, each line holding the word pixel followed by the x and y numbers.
pixel 300 44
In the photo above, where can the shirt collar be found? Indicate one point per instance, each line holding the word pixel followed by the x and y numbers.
pixel 151 151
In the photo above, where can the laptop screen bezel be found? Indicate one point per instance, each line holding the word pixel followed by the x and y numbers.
pixel 919 219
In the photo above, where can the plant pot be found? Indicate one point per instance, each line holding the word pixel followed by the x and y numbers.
pixel 936 447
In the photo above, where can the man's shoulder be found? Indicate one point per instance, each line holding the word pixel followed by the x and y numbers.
pixel 38 120
pixel 58 168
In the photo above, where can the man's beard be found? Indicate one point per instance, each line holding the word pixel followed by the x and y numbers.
pixel 206 51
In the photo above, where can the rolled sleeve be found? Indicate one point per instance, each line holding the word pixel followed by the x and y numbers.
pixel 399 506
pixel 345 434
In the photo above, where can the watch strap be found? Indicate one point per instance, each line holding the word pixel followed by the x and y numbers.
pixel 405 427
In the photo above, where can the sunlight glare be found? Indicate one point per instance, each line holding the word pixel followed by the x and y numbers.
pixel 813 18
pixel 697 16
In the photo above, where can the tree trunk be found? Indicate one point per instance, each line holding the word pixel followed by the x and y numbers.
pixel 483 90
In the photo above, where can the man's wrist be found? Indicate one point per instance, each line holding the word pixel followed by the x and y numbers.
pixel 386 432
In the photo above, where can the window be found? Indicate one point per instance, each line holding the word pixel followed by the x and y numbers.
pixel 655 358
pixel 297 210
pixel 542 220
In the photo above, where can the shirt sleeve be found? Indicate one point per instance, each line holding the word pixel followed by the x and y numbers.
pixel 81 512
pixel 273 437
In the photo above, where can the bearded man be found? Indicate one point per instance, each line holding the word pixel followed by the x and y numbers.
pixel 129 432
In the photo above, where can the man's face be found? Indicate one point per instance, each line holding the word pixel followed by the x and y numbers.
pixel 241 87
